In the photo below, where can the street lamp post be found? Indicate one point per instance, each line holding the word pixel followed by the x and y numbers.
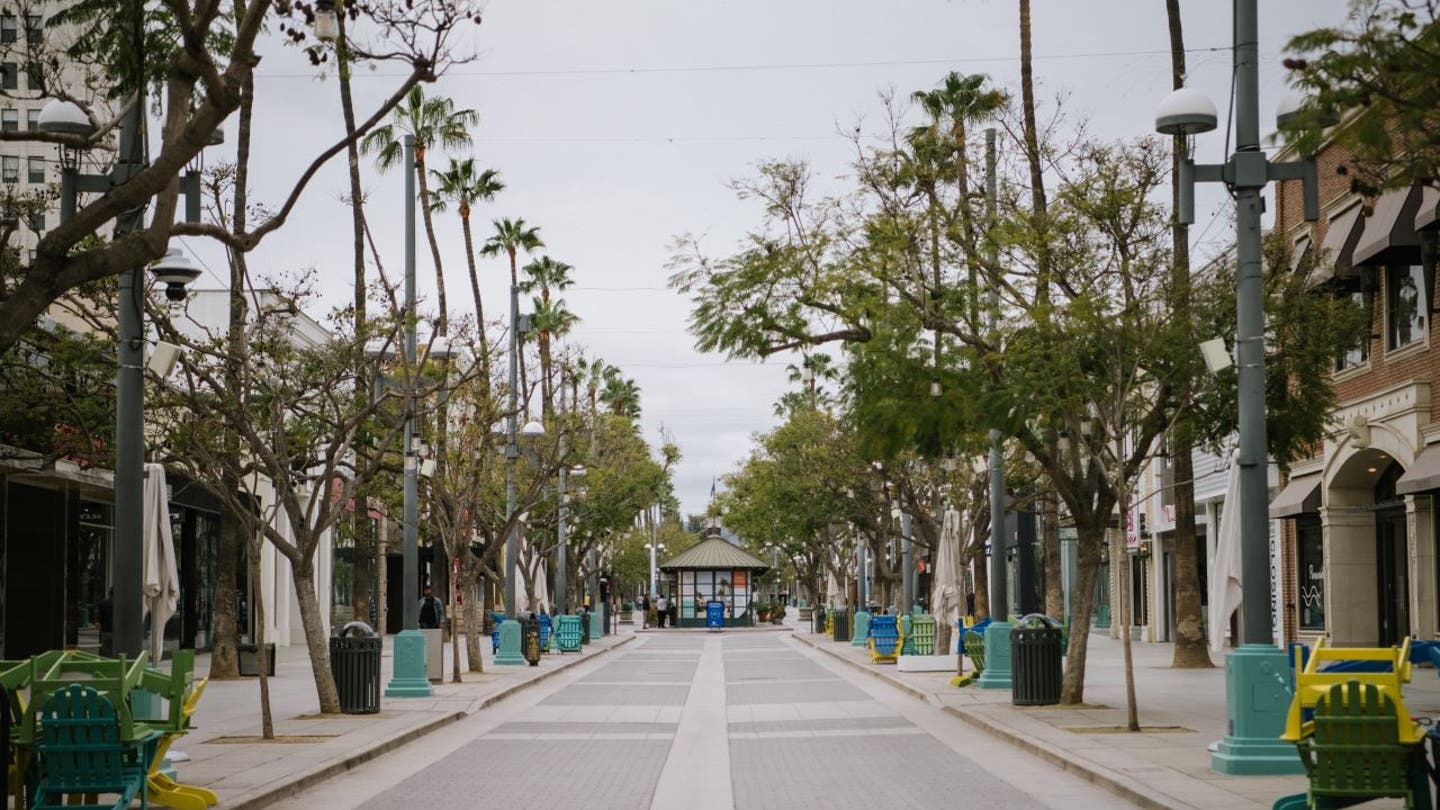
pixel 127 565
pixel 509 652
pixel 1255 703
pixel 409 678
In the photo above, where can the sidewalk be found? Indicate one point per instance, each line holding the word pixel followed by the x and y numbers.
pixel 248 773
pixel 1183 711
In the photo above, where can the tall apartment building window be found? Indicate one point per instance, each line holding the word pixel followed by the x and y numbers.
pixel 9 76
pixel 1310 559
pixel 36 171
pixel 1405 308
pixel 34 29
pixel 1359 352
pixel 32 119
pixel 8 30
pixel 37 221
pixel 9 120
pixel 34 76
pixel 10 169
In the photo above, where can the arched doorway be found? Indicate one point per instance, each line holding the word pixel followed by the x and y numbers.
pixel 1366 552
pixel 1392 557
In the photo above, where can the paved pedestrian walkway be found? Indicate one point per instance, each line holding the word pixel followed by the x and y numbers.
pixel 244 772
pixel 699 721
pixel 1182 710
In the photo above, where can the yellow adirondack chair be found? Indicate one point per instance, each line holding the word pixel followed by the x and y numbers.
pixel 163 789
pixel 1311 685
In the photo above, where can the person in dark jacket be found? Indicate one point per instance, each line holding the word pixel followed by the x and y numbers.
pixel 432 610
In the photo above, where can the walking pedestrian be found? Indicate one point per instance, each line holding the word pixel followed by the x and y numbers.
pixel 644 611
pixel 432 611
pixel 662 605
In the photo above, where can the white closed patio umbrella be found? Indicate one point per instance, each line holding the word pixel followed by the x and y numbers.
pixel 161 588
pixel 1225 591
pixel 945 596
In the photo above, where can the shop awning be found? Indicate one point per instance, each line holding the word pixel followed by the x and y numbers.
pixel 1429 213
pixel 1298 252
pixel 1390 225
pixel 1300 496
pixel 1336 251
pixel 1423 475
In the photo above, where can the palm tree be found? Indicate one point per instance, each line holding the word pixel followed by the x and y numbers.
pixel 621 395
pixel 953 107
pixel 545 274
pixel 432 122
pixel 510 237
pixel 464 186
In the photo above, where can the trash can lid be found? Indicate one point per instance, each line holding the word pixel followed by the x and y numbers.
pixel 362 629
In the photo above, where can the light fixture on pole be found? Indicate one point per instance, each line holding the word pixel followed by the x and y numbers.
pixel 327 22
pixel 59 117
pixel 176 271
pixel 1256 719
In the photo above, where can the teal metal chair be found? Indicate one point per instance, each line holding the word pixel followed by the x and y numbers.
pixel 567 634
pixel 82 755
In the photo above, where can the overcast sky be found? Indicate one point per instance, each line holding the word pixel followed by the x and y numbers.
pixel 616 126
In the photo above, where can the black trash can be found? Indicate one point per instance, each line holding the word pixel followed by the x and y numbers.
pixel 355 663
pixel 1035 666
pixel 530 639
pixel 584 628
pixel 818 616
pixel 842 625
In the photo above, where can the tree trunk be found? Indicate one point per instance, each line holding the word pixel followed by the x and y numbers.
pixel 479 304
pixel 316 641
pixel 224 657
pixel 982 587
pixel 546 391
pixel 442 321
pixel 1190 641
pixel 352 154
pixel 1127 565
pixel 1050 541
pixel 1082 608
pixel 252 561
pixel 365 546
pixel 1038 204
pixel 474 620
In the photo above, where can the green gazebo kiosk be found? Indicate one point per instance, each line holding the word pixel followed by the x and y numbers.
pixel 714 569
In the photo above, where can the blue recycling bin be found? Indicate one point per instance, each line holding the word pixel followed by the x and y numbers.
pixel 714 615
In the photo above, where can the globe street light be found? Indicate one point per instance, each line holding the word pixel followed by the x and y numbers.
pixel 1255 719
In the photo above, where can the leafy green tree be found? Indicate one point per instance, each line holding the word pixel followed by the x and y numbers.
pixel 132 45
pixel 432 122
pixel 1375 74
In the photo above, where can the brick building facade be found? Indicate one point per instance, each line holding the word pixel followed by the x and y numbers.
pixel 1358 518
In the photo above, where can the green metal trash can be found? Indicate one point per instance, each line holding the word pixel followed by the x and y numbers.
pixel 355 664
pixel 1036 668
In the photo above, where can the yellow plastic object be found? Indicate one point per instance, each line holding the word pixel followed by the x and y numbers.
pixel 1311 684
pixel 166 791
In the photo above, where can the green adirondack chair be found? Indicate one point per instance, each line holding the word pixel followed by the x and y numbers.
pixel 81 753
pixel 974 645
pixel 1355 754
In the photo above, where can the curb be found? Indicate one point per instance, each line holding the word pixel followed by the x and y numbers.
pixel 287 788
pixel 1116 783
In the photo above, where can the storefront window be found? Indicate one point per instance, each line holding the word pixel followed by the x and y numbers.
pixel 1310 564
